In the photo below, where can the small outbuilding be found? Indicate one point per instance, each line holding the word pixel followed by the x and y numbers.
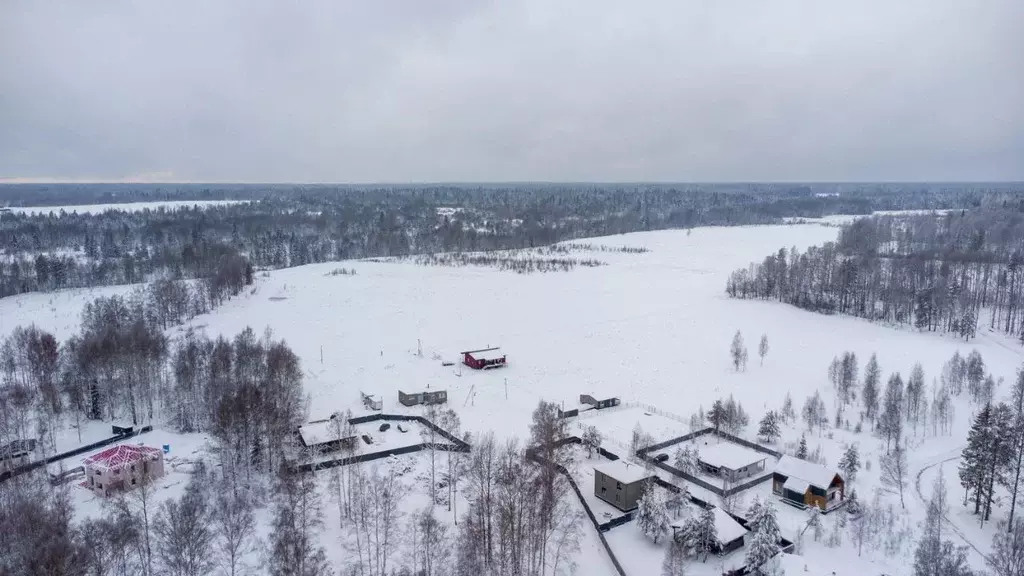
pixel 327 435
pixel 372 401
pixel 16 454
pixel 122 467
pixel 805 484
pixel 484 359
pixel 425 398
pixel 620 484
pixel 729 461
pixel 730 532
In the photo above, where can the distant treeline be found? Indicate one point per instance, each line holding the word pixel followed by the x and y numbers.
pixel 935 271
pixel 292 226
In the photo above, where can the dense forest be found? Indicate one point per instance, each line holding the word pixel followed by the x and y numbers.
pixel 291 226
pixel 946 272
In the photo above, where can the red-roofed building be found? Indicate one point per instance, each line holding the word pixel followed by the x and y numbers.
pixel 122 468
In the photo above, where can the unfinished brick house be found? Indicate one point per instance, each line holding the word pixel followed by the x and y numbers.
pixel 122 467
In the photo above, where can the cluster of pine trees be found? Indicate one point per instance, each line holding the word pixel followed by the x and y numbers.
pixel 938 272
pixel 994 455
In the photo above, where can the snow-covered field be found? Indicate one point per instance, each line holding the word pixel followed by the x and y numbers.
pixel 652 328
pixel 59 313
pixel 126 207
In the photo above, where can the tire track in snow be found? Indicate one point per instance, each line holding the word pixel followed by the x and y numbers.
pixel 942 459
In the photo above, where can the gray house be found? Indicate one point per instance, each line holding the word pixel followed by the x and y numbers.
pixel 435 397
pixel 620 484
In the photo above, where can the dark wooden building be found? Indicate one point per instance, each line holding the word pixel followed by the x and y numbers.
pixel 805 484
pixel 620 484
pixel 484 359
pixel 425 398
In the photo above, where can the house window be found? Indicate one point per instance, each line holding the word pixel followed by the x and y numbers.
pixel 618 486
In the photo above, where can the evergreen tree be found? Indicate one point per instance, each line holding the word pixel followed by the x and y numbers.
pixel 869 394
pixel 987 456
pixel 652 514
pixel 764 534
pixel 852 503
pixel 686 460
pixel 801 450
pixel 1013 476
pixel 769 427
pixel 701 533
pixel 850 463
pixel 717 416
pixel 762 348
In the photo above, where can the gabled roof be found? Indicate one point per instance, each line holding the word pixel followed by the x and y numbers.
pixel 815 474
pixel 727 528
pixel 725 454
pixel 484 353
pixel 121 455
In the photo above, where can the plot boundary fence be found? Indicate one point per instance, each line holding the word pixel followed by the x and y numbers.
pixel 456 444
pixel 644 454
pixel 35 464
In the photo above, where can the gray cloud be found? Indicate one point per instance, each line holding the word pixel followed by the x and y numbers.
pixel 463 90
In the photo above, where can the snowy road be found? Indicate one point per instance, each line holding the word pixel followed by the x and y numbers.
pixel 949 456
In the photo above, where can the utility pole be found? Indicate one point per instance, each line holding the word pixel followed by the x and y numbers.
pixel 506 388
pixel 321 354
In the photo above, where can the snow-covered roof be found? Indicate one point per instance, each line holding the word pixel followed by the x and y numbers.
pixel 729 455
pixel 485 354
pixel 317 432
pixel 120 456
pixel 622 472
pixel 794 484
pixel 815 474
pixel 727 527
pixel 793 565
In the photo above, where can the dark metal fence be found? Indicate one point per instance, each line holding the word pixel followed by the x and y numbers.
pixel 457 444
pixel 80 450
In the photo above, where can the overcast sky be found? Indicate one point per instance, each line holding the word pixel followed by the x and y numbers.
pixel 476 90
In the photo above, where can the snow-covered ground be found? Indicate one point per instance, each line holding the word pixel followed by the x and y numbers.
pixel 126 207
pixel 652 328
pixel 59 313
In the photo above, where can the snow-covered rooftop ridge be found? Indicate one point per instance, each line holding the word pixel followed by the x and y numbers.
pixel 727 527
pixel 121 455
pixel 728 455
pixel 816 474
pixel 485 353
pixel 623 472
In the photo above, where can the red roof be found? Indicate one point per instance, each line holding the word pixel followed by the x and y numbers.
pixel 120 455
